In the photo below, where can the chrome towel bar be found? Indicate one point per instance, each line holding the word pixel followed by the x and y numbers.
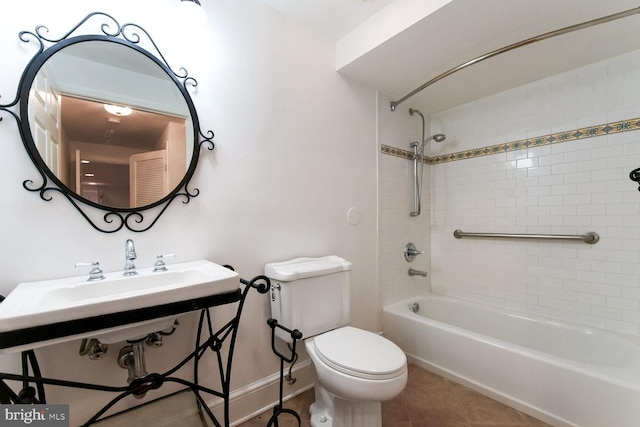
pixel 590 237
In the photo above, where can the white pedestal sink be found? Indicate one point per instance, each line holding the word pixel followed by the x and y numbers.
pixel 115 309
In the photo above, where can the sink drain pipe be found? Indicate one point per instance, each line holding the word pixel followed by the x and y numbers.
pixel 131 358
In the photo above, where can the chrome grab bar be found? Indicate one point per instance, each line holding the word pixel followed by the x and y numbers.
pixel 590 237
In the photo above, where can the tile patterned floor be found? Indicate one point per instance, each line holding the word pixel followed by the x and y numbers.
pixel 428 401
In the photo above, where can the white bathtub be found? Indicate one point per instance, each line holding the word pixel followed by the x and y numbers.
pixel 562 374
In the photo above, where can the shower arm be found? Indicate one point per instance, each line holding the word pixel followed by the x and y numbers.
pixel 516 45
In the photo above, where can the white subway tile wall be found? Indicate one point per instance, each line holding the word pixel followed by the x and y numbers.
pixel 564 188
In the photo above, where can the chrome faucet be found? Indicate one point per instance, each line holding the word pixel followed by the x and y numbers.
pixel 130 255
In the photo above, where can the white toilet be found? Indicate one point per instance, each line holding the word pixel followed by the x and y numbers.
pixel 356 369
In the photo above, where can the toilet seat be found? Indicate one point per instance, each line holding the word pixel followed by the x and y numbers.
pixel 360 353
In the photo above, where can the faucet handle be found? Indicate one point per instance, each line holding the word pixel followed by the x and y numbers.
pixel 410 252
pixel 160 264
pixel 95 273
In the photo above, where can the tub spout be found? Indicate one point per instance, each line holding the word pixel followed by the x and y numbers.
pixel 413 272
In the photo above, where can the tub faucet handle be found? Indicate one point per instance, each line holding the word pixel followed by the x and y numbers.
pixel 410 252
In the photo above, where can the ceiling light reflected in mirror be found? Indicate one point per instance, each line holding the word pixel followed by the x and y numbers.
pixel 118 110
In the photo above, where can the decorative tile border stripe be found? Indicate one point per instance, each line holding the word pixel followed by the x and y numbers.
pixel 554 138
pixel 397 152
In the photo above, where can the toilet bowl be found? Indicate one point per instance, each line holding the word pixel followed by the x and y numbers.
pixel 356 369
pixel 357 364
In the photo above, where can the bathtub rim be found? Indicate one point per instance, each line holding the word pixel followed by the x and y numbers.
pixel 612 374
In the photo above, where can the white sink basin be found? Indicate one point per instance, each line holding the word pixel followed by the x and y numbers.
pixel 120 307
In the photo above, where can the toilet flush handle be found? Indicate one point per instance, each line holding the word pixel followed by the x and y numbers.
pixel 273 291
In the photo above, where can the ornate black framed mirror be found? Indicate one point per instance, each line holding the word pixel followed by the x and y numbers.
pixel 108 124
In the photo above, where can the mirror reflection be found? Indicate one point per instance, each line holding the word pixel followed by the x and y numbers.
pixel 110 124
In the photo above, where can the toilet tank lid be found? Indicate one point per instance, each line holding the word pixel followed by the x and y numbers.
pixel 301 268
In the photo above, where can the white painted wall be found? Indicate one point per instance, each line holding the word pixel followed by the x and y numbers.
pixel 295 149
pixel 384 25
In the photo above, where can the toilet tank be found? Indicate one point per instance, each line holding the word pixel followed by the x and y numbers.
pixel 310 294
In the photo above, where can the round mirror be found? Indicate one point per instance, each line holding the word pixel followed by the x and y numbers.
pixel 109 123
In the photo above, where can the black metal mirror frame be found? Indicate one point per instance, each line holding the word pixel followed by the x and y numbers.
pixel 634 175
pixel 128 35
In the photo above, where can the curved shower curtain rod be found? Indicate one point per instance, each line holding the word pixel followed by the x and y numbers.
pixel 544 36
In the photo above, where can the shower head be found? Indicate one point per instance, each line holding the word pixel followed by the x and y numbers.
pixel 439 137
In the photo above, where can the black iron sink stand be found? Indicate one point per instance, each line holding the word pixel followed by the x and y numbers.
pixel 215 341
